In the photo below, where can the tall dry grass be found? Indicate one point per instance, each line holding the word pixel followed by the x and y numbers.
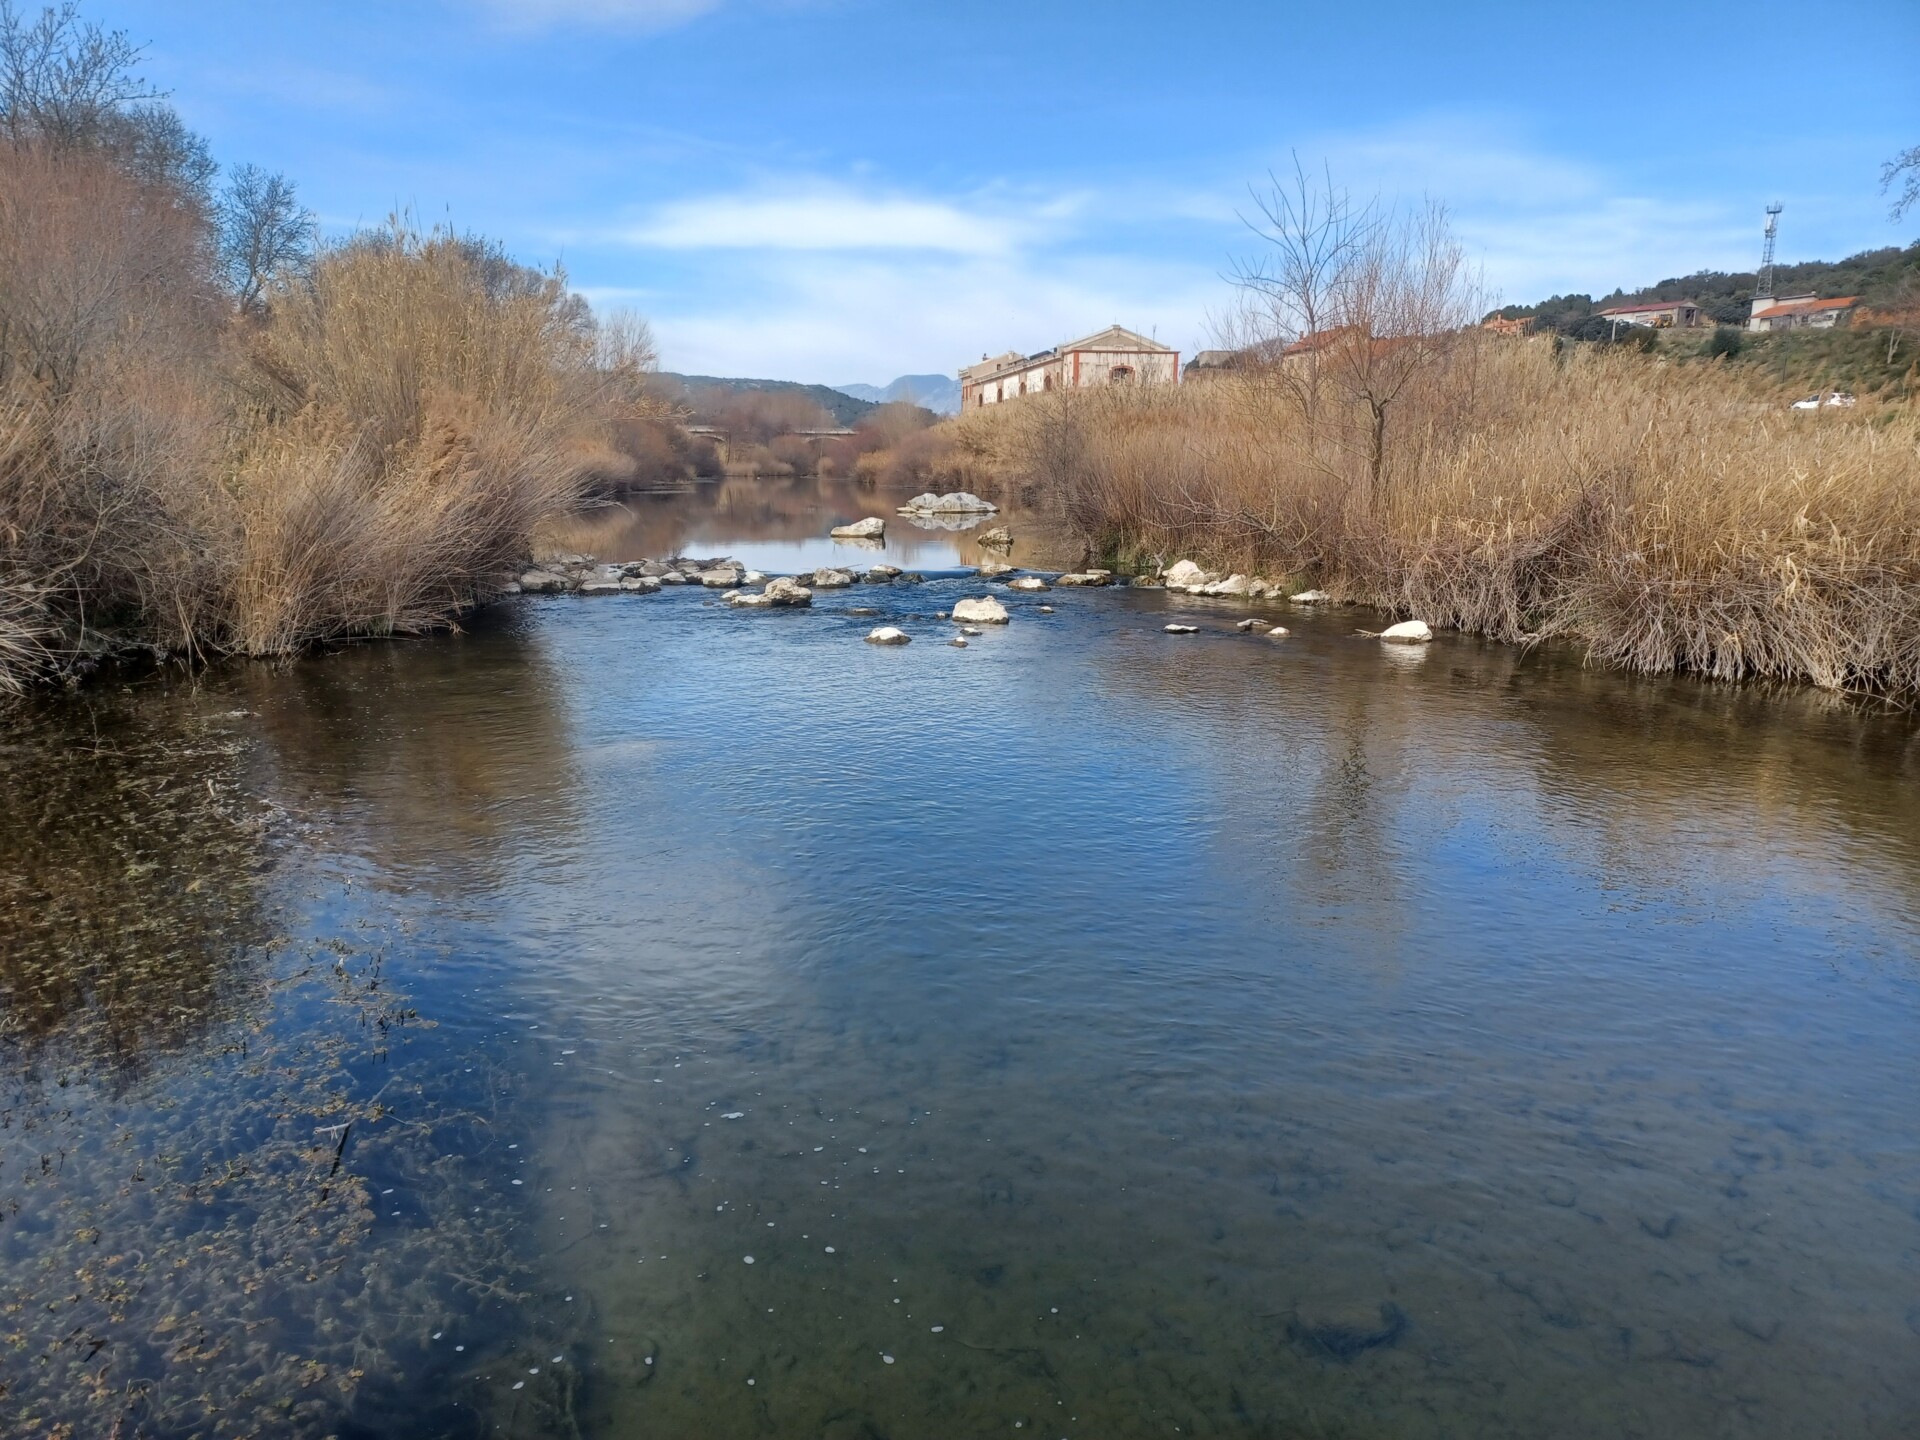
pixel 369 457
pixel 1665 519
pixel 415 409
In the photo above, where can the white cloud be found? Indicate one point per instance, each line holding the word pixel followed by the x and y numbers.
pixel 825 216
pixel 837 319
pixel 620 14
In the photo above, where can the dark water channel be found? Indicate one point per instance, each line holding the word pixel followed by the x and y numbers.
pixel 635 1017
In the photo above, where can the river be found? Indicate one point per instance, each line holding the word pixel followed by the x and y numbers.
pixel 635 1016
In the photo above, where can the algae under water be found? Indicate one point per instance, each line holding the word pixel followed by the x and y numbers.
pixel 637 1016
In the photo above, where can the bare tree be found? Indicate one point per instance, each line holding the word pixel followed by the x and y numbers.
pixel 63 79
pixel 265 234
pixel 1349 307
pixel 1902 170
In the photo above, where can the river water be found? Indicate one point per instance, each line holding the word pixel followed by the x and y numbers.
pixel 634 1016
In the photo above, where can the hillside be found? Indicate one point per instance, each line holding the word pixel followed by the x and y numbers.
pixel 938 393
pixel 695 391
pixel 1889 276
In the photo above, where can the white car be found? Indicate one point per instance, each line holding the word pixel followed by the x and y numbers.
pixel 1840 398
pixel 1812 402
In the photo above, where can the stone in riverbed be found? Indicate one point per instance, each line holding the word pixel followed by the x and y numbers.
pixel 1407 632
pixel 1278 632
pixel 832 579
pixel 880 574
pixel 971 630
pixel 1181 629
pixel 990 568
pixel 1344 1332
pixel 998 537
pixel 673 577
pixel 957 643
pixel 598 586
pixel 1183 572
pixel 721 579
pixel 1087 577
pixel 1245 625
pixel 747 600
pixel 787 593
pixel 641 585
pixel 888 635
pixel 980 610
pixel 871 528
pixel 1044 609
pixel 1312 597
pixel 544 582
pixel 1031 582
pixel 1232 585
pixel 958 502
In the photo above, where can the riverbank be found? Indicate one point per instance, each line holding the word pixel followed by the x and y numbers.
pixel 1662 519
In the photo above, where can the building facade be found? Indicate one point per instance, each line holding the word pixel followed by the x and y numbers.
pixel 1801 312
pixel 1115 356
pixel 1660 314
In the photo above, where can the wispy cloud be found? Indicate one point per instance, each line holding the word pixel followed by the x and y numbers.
pixel 641 15
pixel 828 216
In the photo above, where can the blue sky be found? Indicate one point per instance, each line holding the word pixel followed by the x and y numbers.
pixel 838 190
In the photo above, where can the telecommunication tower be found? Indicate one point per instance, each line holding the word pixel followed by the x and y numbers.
pixel 1764 289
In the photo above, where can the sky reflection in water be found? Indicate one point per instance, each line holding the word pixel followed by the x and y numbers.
pixel 1205 1034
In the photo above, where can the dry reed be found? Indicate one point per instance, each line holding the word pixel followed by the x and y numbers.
pixel 1665 519
pixel 370 457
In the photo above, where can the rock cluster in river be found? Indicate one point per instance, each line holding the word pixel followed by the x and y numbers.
pixel 871 528
pixel 958 502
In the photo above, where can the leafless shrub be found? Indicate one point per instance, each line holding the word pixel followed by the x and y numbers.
pixel 1665 519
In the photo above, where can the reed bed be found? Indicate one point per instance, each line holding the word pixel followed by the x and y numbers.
pixel 368 453
pixel 1663 518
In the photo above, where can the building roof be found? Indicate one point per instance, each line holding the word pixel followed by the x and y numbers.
pixel 1651 305
pixel 1217 359
pixel 1807 305
pixel 1114 337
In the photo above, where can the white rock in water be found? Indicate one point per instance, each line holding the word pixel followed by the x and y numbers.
pixel 721 579
pixel 832 579
pixel 959 502
pixel 1312 597
pixel 600 587
pixel 1029 582
pixel 544 582
pixel 641 585
pixel 753 577
pixel 1407 632
pixel 753 602
pixel 1245 625
pixel 871 528
pixel 995 567
pixel 888 635
pixel 1232 585
pixel 980 610
pixel 674 577
pixel 1088 577
pixel 1278 631
pixel 787 592
pixel 999 537
pixel 1182 629
pixel 971 630
pixel 1184 572
pixel 957 643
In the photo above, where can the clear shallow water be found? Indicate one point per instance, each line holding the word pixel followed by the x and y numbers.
pixel 1210 1035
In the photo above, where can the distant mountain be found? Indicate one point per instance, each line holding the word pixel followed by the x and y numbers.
pixel 938 393
pixel 846 408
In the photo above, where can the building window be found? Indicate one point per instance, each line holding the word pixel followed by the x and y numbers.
pixel 1120 373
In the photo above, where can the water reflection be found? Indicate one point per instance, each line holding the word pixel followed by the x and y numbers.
pixel 1092 1029
pixel 781 525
